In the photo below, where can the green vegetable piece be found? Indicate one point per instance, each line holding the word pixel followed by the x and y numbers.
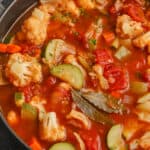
pixel 114 138
pixel 19 99
pixel 62 146
pixel 115 43
pixel 9 39
pixel 92 43
pixel 55 50
pixel 50 51
pixel 70 74
pixel 28 112
pixel 90 110
pixel 139 87
pixel 122 53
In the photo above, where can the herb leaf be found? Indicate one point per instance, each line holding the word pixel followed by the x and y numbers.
pixel 90 110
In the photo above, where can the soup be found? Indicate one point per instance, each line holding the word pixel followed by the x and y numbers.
pixel 75 75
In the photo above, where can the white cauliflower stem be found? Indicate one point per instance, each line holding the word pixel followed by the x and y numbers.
pixel 23 69
pixel 50 130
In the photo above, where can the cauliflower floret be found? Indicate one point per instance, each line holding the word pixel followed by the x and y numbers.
pixel 143 40
pixel 38 103
pixel 79 117
pixel 50 130
pixel 86 4
pixel 34 29
pixel 118 5
pixel 21 70
pixel 128 28
pixel 72 7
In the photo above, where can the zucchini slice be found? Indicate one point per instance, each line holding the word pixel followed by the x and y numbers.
pixel 9 39
pixel 28 112
pixel 62 146
pixel 114 138
pixel 69 73
pixel 50 51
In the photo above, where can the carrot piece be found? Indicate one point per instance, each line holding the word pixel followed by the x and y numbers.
pixel 12 118
pixel 3 48
pixel 108 36
pixel 12 48
pixel 35 145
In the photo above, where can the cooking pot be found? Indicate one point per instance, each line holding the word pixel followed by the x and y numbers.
pixel 10 12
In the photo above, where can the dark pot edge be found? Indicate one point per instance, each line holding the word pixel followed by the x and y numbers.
pixel 7 21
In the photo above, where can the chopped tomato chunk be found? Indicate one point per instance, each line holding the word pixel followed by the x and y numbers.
pixel 92 142
pixel 117 77
pixel 134 11
pixel 103 57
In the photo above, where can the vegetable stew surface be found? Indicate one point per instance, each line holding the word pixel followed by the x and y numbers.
pixel 76 75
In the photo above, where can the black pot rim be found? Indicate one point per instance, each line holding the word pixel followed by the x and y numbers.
pixel 11 15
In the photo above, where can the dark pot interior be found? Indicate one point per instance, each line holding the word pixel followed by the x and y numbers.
pixel 14 10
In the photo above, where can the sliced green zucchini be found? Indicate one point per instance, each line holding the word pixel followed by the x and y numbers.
pixel 50 51
pixel 28 112
pixel 70 74
pixel 114 138
pixel 62 146
pixel 19 99
pixel 9 39
pixel 122 53
pixel 139 87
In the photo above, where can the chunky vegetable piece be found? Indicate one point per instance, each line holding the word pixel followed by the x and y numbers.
pixel 28 112
pixel 23 69
pixel 50 130
pixel 19 99
pixel 56 49
pixel 114 138
pixel 70 74
pixel 75 75
pixel 63 145
pixel 34 29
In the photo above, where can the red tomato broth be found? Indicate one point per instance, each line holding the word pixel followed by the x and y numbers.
pixel 59 100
